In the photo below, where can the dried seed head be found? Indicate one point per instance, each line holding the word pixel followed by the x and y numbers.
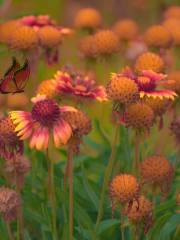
pixel 140 210
pixel 159 106
pixel 124 188
pixel 172 26
pixel 122 89
pixel 17 101
pixel 149 61
pixel 49 36
pixel 126 29
pixel 9 203
pixel 47 88
pixel 139 116
pixel 79 121
pixel 106 42
pixel 174 83
pixel 156 169
pixel 172 12
pixel 23 38
pixel 158 36
pixel 88 18
pixel 87 46
pixel 175 129
pixel 6 30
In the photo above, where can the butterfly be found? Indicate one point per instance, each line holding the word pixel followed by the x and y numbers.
pixel 15 78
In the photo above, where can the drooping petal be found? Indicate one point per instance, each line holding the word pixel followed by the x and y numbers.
pixel 153 75
pixel 61 132
pixel 41 138
pixel 68 109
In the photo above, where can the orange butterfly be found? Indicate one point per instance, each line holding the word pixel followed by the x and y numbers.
pixel 15 78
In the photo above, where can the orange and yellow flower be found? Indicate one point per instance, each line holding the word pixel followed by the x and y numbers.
pixel 44 119
pixel 78 85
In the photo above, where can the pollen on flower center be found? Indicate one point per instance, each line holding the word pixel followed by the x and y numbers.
pixel 46 112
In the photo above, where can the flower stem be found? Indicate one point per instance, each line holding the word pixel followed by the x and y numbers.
pixel 52 196
pixel 137 157
pixel 107 176
pixel 71 196
pixel 10 234
pixel 20 220
pixel 122 227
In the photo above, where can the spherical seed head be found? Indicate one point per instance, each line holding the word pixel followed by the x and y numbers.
pixel 158 36
pixel 17 101
pixel 19 165
pixel 24 38
pixel 88 18
pixel 124 188
pixel 79 121
pixel 106 42
pixel 46 88
pixel 49 36
pixel 87 47
pixel 149 61
pixel 175 129
pixel 156 169
pixel 6 126
pixel 9 203
pixel 6 30
pixel 159 106
pixel 175 84
pixel 172 26
pixel 172 12
pixel 140 210
pixel 46 112
pixel 139 116
pixel 126 29
pixel 122 89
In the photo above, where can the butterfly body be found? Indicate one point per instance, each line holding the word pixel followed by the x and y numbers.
pixel 15 78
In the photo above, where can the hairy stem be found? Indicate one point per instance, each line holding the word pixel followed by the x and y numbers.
pixel 10 234
pixel 107 176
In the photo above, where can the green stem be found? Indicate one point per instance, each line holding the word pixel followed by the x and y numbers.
pixel 52 196
pixel 122 227
pixel 137 157
pixel 71 196
pixel 107 176
pixel 10 234
pixel 20 220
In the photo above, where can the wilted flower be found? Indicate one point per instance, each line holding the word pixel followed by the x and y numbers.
pixel 124 188
pixel 17 168
pixel 88 18
pixel 79 85
pixel 38 124
pixel 158 36
pixel 140 212
pixel 10 145
pixel 158 171
pixel 126 29
pixel 149 61
pixel 9 203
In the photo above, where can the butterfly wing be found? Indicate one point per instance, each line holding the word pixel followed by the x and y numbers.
pixel 21 76
pixel 13 68
pixel 7 85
